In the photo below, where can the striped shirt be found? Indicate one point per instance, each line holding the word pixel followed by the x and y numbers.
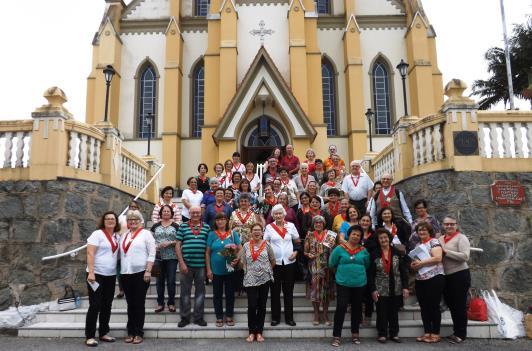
pixel 155 214
pixel 193 246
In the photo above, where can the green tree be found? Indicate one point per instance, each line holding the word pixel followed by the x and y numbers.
pixel 495 88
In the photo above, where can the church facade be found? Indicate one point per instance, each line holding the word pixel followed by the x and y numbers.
pixel 218 76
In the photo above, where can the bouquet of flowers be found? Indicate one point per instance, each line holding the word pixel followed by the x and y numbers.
pixel 229 252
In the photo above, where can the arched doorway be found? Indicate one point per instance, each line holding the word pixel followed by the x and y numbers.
pixel 256 147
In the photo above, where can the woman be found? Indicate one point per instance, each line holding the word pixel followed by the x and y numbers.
pixel 310 161
pixel 350 260
pixel 422 215
pixel 258 261
pixel 370 242
pixel 341 217
pixel 218 170
pixel 455 247
pixel 203 180
pixel 429 282
pixel 290 214
pixel 227 175
pixel 289 187
pixel 285 242
pixel 312 189
pixel 276 187
pixel 137 254
pixel 167 194
pixel 303 178
pixel 331 183
pixel 236 178
pixel 190 197
pixel 319 172
pixel 388 283
pixel 377 186
pixel 209 196
pixel 320 288
pixel 165 235
pixel 352 217
pixel 338 166
pixel 269 200
pixel 229 197
pixel 398 227
pixel 252 177
pixel 333 205
pixel 245 188
pixel 102 256
pixel 222 278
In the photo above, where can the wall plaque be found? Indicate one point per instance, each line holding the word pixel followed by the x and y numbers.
pixel 465 143
pixel 507 192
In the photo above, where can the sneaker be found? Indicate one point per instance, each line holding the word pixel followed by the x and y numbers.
pixel 183 323
pixel 201 322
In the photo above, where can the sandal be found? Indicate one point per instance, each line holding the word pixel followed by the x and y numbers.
pixel 91 342
pixel 315 322
pixel 328 323
pixel 355 340
pixel 230 322
pixel 129 339
pixel 434 339
pixel 336 342
pixel 107 338
pixel 422 338
pixel 250 338
pixel 396 339
pixel 260 338
pixel 138 340
pixel 453 339
pixel 219 323
pixel 119 295
pixel 171 308
pixel 381 339
pixel 159 309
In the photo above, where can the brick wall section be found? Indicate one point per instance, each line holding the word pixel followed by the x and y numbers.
pixel 42 218
pixel 505 233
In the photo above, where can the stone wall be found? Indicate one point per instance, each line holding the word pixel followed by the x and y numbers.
pixel 42 218
pixel 505 233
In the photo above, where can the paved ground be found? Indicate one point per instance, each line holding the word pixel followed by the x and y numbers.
pixel 9 343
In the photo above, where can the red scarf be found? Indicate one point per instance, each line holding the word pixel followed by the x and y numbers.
pixel 133 236
pixel 394 230
pixel 112 241
pixel 194 191
pixel 426 241
pixel 386 202
pixel 305 182
pixel 447 239
pixel 285 183
pixel 321 236
pixel 270 202
pixel 236 166
pixel 221 236
pixel 218 208
pixel 244 219
pixel 351 252
pixel 305 211
pixel 331 184
pixel 353 180
pixel 315 213
pixel 195 232
pixel 334 211
pixel 281 232
pixel 252 177
pixel 255 254
pixel 387 261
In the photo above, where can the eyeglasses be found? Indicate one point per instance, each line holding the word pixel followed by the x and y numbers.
pixel 449 224
pixel 133 220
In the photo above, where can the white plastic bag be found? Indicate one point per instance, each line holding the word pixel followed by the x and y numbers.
pixel 509 320
pixel 13 318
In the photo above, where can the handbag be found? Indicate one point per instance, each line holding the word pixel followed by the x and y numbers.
pixel 477 310
pixel 156 268
pixel 71 300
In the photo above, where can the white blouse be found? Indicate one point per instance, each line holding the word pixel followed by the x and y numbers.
pixel 141 251
pixel 282 247
pixel 104 258
pixel 194 199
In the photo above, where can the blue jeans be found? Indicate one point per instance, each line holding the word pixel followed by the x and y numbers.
pixel 219 282
pixel 168 273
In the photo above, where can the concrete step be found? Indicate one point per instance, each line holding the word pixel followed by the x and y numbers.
pixel 302 330
pixel 301 314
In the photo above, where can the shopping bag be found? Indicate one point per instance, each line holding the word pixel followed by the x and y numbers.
pixel 509 320
pixel 477 310
pixel 70 301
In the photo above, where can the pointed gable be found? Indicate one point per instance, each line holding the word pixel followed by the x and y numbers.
pixel 263 75
pixel 147 9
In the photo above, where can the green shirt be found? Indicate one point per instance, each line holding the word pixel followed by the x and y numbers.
pixel 350 271
pixel 193 246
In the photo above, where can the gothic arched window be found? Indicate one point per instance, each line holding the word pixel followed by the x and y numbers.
pixel 147 101
pixel 198 94
pixel 328 82
pixel 201 7
pixel 381 98
pixel 323 6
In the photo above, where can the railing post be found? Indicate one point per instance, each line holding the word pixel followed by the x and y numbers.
pixel 152 193
pixel 461 134
pixel 111 155
pixel 402 148
pixel 49 142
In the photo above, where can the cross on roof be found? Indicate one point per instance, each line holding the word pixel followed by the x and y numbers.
pixel 261 32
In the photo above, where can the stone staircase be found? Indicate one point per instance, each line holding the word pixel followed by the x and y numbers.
pixel 164 325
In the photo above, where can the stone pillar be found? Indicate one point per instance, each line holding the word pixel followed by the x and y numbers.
pixel 49 139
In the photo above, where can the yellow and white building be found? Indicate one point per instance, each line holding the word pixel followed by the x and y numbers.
pixel 245 75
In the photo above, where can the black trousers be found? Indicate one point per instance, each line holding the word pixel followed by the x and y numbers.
pixel 284 276
pixel 257 298
pixel 388 315
pixel 429 294
pixel 360 205
pixel 100 302
pixel 455 294
pixel 135 289
pixel 368 303
pixel 347 296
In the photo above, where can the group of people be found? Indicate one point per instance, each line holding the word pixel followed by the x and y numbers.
pixel 348 238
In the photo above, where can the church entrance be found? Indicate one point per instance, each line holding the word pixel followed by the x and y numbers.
pixel 260 140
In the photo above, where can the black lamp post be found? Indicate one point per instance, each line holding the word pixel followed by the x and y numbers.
pixel 403 70
pixel 149 122
pixel 369 116
pixel 108 73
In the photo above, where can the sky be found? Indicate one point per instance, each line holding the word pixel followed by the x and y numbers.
pixel 48 43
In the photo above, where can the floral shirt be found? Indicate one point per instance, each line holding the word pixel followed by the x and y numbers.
pixel 434 269
pixel 163 234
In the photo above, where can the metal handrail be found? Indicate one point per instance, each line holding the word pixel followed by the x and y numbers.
pixel 74 252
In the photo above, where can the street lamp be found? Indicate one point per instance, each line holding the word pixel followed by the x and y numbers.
pixel 149 122
pixel 403 69
pixel 369 116
pixel 108 73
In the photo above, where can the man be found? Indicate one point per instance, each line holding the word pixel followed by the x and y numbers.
pixel 390 197
pixel 329 161
pixel 190 250
pixel 217 206
pixel 357 187
pixel 271 173
pixel 237 165
pixel 290 161
pixel 303 178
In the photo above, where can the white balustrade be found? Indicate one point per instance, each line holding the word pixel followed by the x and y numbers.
pixel 84 152
pixel 16 150
pixel 385 165
pixel 505 140
pixel 428 145
pixel 134 175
